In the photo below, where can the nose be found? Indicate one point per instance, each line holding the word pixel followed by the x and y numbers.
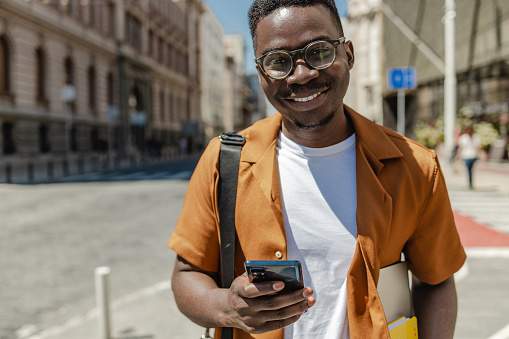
pixel 302 73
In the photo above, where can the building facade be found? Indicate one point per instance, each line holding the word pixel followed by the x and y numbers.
pixel 213 73
pixel 236 114
pixel 88 82
pixel 392 34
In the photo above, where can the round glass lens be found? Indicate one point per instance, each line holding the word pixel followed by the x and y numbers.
pixel 320 54
pixel 277 64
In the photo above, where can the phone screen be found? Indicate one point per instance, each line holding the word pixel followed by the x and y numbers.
pixel 287 271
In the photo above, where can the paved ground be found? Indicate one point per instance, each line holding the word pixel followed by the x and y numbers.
pixel 53 236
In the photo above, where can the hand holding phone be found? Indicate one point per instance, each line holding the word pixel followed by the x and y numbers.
pixel 287 271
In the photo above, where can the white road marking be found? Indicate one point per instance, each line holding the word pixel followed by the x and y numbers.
pixel 502 334
pixel 487 252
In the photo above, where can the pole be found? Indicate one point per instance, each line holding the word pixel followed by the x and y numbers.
pixel 450 78
pixel 102 300
pixel 401 112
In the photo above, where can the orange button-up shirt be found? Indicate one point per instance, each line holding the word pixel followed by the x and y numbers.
pixel 402 206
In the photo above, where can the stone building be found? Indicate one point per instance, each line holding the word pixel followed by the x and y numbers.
pixel 87 83
pixel 213 73
pixel 380 31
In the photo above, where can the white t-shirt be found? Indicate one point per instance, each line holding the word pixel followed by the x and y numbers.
pixel 469 146
pixel 319 195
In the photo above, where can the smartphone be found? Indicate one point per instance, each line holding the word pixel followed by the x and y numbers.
pixel 287 271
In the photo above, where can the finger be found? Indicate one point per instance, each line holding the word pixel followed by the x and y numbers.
pixel 289 311
pixel 279 301
pixel 254 290
pixel 275 325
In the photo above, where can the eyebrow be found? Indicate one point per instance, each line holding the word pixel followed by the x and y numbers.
pixel 318 38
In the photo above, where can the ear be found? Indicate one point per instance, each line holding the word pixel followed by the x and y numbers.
pixel 350 53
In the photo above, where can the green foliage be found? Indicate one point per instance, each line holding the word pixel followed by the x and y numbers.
pixel 487 133
pixel 429 135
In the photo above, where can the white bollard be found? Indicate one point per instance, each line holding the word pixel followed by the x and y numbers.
pixel 102 300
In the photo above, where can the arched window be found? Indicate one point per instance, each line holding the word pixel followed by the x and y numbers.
pixel 40 73
pixel 4 66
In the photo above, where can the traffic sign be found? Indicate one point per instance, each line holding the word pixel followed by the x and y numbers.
pixel 402 78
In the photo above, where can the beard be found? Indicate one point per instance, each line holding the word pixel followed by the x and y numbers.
pixel 313 85
pixel 316 124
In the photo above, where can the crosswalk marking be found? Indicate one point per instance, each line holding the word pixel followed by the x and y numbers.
pixel 489 208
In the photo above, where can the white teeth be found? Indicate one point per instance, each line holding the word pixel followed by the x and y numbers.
pixel 311 97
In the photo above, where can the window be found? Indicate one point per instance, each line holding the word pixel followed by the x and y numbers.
pixel 69 77
pixel 9 147
pixel 69 71
pixel 170 108
pixel 161 99
pixel 92 98
pixel 70 6
pixel 92 14
pixel 151 43
pixel 4 65
pixel 110 89
pixel 133 28
pixel 111 18
pixel 44 145
pixel 40 74
pixel 94 140
pixel 161 49
pixel 74 139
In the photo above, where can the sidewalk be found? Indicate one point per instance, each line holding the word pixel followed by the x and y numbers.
pixel 152 313
pixel 487 176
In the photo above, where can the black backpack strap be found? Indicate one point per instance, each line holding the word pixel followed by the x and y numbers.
pixel 229 159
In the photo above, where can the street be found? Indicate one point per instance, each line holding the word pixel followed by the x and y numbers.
pixel 53 236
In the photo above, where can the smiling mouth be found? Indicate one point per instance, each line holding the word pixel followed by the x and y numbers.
pixel 309 98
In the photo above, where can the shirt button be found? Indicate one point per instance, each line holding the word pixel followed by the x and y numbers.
pixel 279 255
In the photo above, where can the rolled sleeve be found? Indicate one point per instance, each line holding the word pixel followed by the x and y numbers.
pixel 434 251
pixel 196 236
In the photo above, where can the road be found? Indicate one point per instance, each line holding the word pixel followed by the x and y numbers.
pixel 54 235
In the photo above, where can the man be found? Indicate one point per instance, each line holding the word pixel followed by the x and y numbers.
pixel 320 184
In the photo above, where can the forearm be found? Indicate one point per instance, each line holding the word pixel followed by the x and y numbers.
pixel 252 307
pixel 435 307
pixel 199 298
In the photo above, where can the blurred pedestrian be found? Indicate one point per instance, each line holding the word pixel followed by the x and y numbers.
pixel 183 146
pixel 468 150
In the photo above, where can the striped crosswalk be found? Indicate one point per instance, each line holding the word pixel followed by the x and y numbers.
pixel 490 208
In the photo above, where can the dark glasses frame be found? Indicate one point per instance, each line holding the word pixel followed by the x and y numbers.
pixel 291 54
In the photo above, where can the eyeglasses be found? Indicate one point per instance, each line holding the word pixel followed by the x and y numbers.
pixel 318 55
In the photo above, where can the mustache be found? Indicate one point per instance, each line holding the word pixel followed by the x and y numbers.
pixel 296 89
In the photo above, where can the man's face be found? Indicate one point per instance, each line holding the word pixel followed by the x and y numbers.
pixel 319 94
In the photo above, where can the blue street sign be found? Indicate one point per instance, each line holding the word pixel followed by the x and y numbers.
pixel 402 78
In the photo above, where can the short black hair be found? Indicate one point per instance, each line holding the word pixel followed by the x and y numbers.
pixel 262 8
